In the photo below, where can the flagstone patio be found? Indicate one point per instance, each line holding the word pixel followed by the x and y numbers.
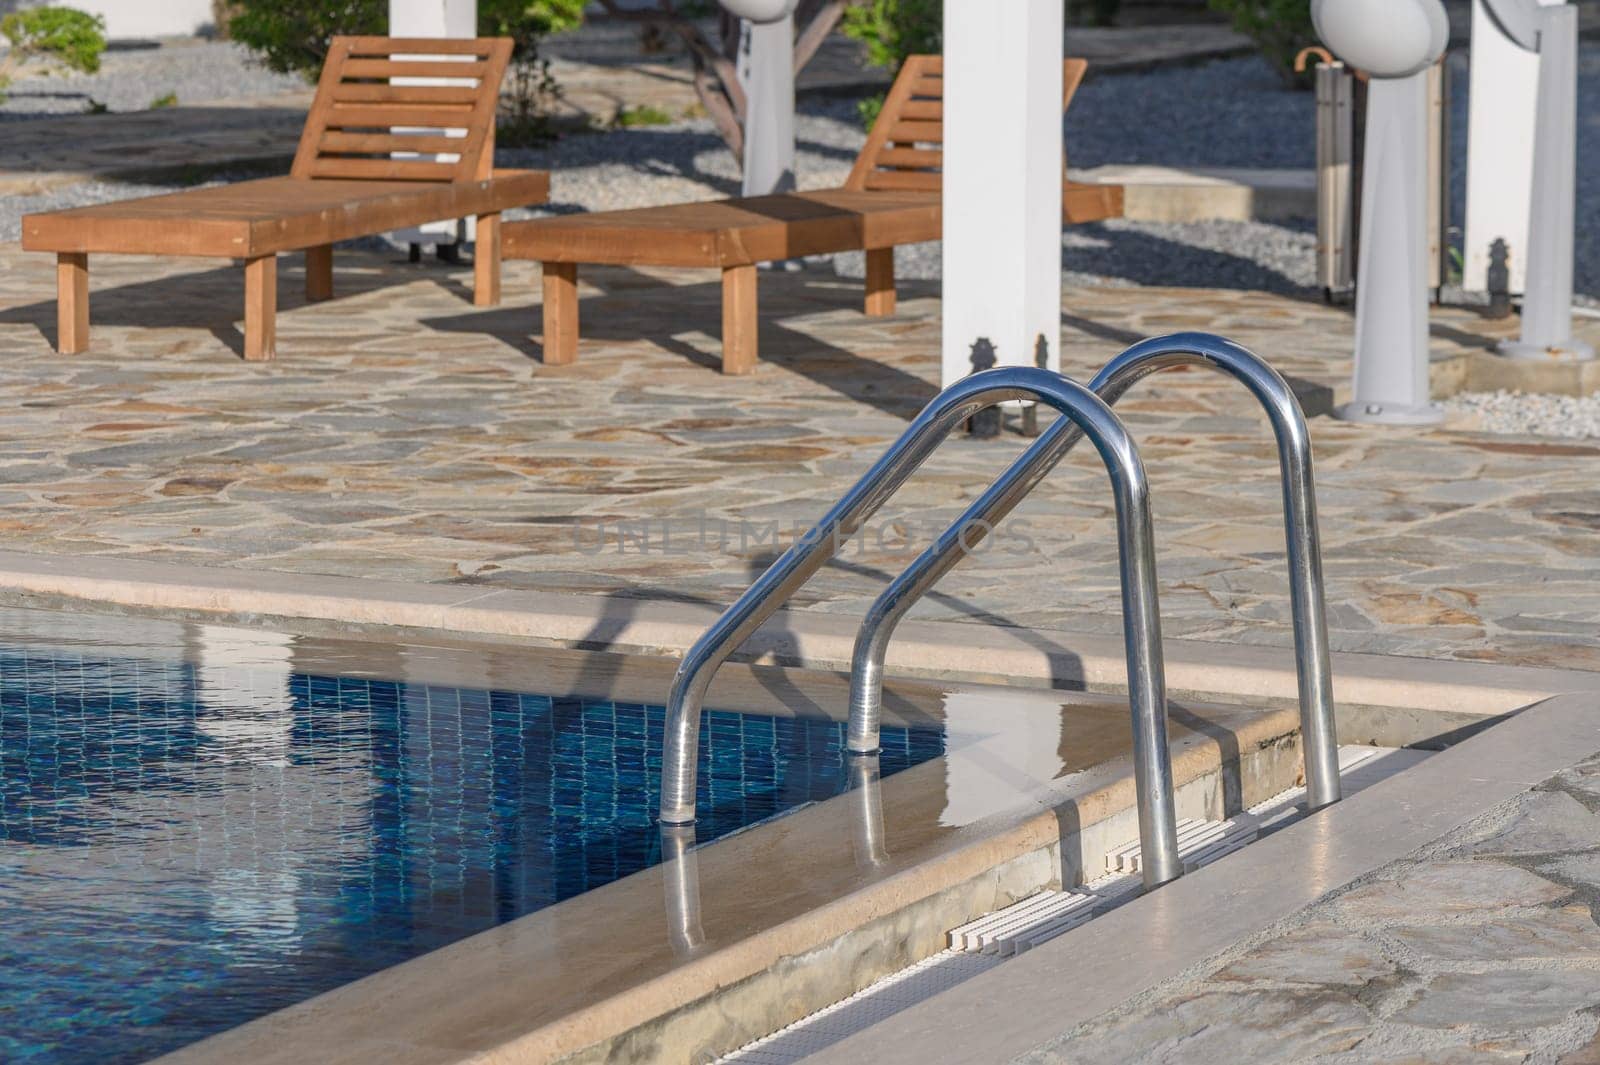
pixel 403 434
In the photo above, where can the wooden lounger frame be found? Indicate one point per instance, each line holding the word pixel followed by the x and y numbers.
pixel 346 182
pixel 891 197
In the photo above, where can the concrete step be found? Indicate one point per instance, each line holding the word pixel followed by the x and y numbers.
pixel 1199 194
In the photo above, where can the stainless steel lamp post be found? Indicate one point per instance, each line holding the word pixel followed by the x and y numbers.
pixel 1394 41
pixel 766 71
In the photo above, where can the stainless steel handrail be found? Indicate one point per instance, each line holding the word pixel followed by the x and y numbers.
pixel 1141 616
pixel 1318 739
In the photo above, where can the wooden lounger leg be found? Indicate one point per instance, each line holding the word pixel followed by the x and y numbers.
pixel 260 308
pixel 486 262
pixel 560 313
pixel 72 302
pixel 880 282
pixel 319 273
pixel 739 319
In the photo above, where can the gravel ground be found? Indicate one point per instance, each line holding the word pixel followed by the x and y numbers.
pixel 1524 414
pixel 131 77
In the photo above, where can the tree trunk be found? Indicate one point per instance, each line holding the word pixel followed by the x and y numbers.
pixel 716 75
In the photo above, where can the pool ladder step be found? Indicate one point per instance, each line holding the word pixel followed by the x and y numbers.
pixel 1047 914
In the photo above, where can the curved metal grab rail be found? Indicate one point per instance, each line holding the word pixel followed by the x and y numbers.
pixel 1318 738
pixel 1141 616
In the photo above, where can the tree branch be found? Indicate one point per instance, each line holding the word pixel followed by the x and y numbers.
pixel 817 29
pixel 716 73
pixel 716 79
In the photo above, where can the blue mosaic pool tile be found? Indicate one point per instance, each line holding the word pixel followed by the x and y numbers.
pixel 177 857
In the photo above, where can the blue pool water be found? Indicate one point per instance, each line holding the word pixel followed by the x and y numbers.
pixel 179 856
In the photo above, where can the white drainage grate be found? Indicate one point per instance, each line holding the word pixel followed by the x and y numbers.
pixel 1005 932
pixel 1199 842
pixel 982 944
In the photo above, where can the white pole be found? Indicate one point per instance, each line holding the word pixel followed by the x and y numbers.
pixel 1503 79
pixel 434 18
pixel 1503 100
pixel 766 73
pixel 1547 300
pixel 1002 185
pixel 766 70
pixel 1395 42
pixel 1391 357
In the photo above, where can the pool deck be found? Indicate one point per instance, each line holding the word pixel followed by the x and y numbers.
pixel 403 435
pixel 408 461
pixel 1416 922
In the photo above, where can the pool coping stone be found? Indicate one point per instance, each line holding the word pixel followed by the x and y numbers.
pixel 360 607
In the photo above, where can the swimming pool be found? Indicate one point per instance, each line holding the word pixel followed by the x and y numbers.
pixel 196 837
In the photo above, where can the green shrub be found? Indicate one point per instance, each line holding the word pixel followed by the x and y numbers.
pixel 1280 29
pixel 893 30
pixel 1099 13
pixel 63 35
pixel 643 115
pixel 167 100
pixel 292 36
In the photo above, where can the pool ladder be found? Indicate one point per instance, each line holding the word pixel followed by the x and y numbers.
pixel 1085 412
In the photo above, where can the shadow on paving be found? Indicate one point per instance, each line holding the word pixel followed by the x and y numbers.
pixel 697 307
pixel 214 298
pixel 1144 258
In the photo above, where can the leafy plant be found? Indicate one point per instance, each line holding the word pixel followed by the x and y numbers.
pixel 1280 29
pixel 532 93
pixel 168 100
pixel 68 37
pixel 893 30
pixel 643 115
pixel 292 36
pixel 1101 12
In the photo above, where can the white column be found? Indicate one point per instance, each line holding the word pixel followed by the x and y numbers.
pixel 1391 357
pixel 1002 183
pixel 1504 89
pixel 434 18
pixel 1547 301
pixel 766 70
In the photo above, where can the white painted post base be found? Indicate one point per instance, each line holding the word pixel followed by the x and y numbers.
pixel 1002 185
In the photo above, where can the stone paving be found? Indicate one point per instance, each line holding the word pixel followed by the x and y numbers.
pixel 1481 948
pixel 403 434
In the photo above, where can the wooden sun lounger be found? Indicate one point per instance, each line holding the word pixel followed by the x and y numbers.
pixel 891 197
pixel 346 182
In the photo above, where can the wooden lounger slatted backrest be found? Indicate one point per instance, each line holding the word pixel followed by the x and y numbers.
pixel 359 118
pixel 905 149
